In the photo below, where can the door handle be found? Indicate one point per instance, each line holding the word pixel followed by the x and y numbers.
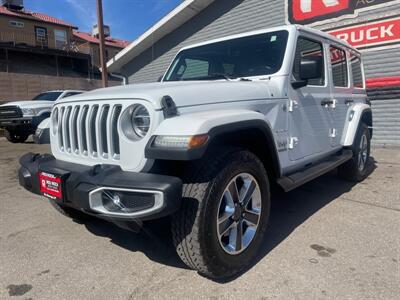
pixel 327 102
pixel 348 101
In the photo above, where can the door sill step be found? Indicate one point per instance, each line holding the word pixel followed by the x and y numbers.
pixel 298 178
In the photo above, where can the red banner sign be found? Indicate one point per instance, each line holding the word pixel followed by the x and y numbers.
pixel 373 34
pixel 316 11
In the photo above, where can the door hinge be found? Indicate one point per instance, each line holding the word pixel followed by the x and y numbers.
pixel 332 132
pixel 293 141
pixel 292 105
pixel 334 102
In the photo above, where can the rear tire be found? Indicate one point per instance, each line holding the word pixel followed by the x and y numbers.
pixel 356 169
pixel 198 228
pixel 16 137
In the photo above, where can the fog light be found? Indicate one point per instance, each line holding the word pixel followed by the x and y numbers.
pixel 123 202
pixel 112 201
pixel 126 202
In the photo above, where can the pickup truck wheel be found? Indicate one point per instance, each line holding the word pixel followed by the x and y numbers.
pixel 16 137
pixel 70 212
pixel 356 168
pixel 225 210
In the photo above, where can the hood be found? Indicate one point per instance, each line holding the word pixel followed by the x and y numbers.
pixel 183 93
pixel 30 103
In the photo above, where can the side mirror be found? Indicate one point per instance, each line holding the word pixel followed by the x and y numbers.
pixel 310 68
pixel 160 78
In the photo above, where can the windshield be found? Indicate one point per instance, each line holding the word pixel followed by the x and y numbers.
pixel 49 96
pixel 255 55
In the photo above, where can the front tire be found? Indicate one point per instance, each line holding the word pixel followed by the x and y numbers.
pixel 356 169
pixel 16 137
pixel 211 234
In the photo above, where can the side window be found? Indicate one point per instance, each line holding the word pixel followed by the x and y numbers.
pixel 339 67
pixel 308 48
pixel 194 68
pixel 356 71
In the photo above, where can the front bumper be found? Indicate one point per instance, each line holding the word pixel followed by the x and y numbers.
pixel 80 183
pixel 25 123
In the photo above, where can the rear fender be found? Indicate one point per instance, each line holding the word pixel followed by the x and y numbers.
pixel 357 114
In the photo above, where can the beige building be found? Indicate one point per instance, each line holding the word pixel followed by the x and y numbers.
pixel 37 49
pixel 90 41
pixel 20 27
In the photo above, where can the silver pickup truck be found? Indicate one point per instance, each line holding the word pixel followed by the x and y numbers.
pixel 21 118
pixel 230 119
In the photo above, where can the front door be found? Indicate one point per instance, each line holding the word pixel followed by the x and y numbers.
pixel 41 36
pixel 308 119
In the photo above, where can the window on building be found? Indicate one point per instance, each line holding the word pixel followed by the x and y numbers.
pixel 60 38
pixel 339 67
pixel 41 35
pixel 356 71
pixel 16 24
pixel 308 48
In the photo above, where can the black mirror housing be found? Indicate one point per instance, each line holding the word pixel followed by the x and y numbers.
pixel 310 68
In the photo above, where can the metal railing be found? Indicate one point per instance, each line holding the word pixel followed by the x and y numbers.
pixel 24 39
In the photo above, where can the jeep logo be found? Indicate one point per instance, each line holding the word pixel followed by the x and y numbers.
pixel 313 11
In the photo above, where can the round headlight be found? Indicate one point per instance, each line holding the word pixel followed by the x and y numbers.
pixel 140 120
pixel 54 120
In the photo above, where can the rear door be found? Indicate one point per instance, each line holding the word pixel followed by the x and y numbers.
pixel 341 93
pixel 308 120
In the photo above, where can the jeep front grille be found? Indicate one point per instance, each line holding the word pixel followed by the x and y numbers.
pixel 89 130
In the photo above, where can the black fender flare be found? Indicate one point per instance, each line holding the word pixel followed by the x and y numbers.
pixel 214 134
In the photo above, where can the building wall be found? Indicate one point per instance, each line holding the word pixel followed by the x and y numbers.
pixel 223 18
pixel 16 86
pixel 27 33
pixel 95 53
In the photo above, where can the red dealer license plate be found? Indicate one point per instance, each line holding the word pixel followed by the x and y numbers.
pixel 50 185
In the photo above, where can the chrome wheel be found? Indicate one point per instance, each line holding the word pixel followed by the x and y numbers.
pixel 239 213
pixel 363 153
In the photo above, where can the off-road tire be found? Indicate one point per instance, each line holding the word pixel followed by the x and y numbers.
pixel 16 137
pixel 70 212
pixel 194 228
pixel 350 170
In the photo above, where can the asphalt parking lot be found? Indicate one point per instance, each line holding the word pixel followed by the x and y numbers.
pixel 327 240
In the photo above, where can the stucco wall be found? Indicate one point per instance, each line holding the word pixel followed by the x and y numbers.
pixel 15 86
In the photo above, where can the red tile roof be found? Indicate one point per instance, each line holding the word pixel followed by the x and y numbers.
pixel 34 16
pixel 109 40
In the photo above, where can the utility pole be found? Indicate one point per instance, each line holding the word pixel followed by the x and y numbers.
pixel 100 27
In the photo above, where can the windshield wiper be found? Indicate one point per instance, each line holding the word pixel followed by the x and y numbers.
pixel 220 75
pixel 228 77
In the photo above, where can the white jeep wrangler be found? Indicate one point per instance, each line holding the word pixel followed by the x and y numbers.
pixel 230 119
